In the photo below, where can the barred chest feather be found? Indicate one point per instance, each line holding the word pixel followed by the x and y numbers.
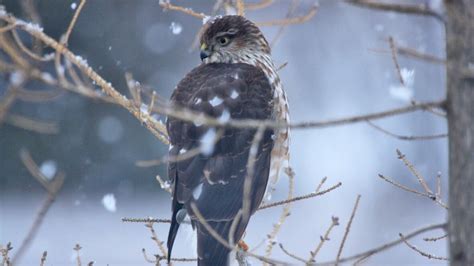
pixel 280 153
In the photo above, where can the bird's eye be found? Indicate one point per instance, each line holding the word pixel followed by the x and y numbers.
pixel 223 40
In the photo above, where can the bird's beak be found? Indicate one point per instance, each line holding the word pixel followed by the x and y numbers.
pixel 205 53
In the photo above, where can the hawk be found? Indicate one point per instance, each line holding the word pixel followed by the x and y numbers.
pixel 236 80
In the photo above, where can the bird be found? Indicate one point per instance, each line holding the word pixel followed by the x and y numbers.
pixel 236 80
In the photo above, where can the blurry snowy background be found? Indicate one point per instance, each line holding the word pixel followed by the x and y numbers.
pixel 332 73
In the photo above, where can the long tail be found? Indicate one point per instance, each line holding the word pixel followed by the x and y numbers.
pixel 173 229
pixel 210 250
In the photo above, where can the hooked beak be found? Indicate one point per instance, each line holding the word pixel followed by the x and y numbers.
pixel 205 53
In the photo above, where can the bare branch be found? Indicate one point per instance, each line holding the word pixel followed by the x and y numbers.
pixel 323 239
pixel 413 170
pixel 409 52
pixel 43 258
pixel 388 245
pixel 23 122
pixel 154 237
pixel 434 239
pixel 348 228
pixel 290 21
pixel 307 196
pixel 291 254
pixel 260 5
pixel 52 187
pixel 77 248
pixel 415 9
pixel 408 138
pixel 422 253
pixel 168 6
pixel 284 214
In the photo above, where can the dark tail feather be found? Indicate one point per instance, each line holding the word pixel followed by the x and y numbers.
pixel 173 229
pixel 210 250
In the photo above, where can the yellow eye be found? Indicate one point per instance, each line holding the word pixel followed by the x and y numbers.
pixel 223 40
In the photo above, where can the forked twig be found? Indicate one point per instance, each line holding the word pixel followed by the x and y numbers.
pixel 422 253
pixel 323 239
pixel 388 245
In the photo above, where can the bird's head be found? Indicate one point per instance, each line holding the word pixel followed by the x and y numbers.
pixel 232 39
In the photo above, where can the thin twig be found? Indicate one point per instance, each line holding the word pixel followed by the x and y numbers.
pixel 387 245
pixel 52 187
pixel 323 239
pixel 259 5
pixel 409 52
pixel 168 6
pixel 155 238
pixel 221 240
pixel 77 248
pixel 348 228
pixel 284 214
pixel 23 122
pixel 414 9
pixel 65 37
pixel 422 253
pixel 307 196
pixel 43 258
pixel 293 5
pixel 239 4
pixel 262 207
pixel 291 254
pixel 393 49
pixel 290 21
pixel 434 239
pixel 413 170
pixel 408 138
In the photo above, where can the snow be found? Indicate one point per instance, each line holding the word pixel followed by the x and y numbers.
pixel 198 101
pixel 225 116
pixel 33 27
pixel 81 60
pixel 404 92
pixel 166 184
pixel 207 142
pixel 199 120
pixel 144 108
pixel 176 28
pixel 17 78
pixel 48 169
pixel 408 76
pixel 379 27
pixel 109 202
pixel 47 77
pixel 215 101
pixel 206 19
pixel 401 92
pixel 182 151
pixel 197 191
pixel 234 94
pixel 110 129
pixel 73 6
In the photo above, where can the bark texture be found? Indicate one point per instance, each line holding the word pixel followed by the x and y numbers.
pixel 460 107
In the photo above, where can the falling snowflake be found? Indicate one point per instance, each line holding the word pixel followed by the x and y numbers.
pixel 404 92
pixel 207 141
pixel 176 28
pixel 109 202
pixel 73 6
pixel 48 169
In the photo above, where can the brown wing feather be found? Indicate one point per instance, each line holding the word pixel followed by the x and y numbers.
pixel 213 180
